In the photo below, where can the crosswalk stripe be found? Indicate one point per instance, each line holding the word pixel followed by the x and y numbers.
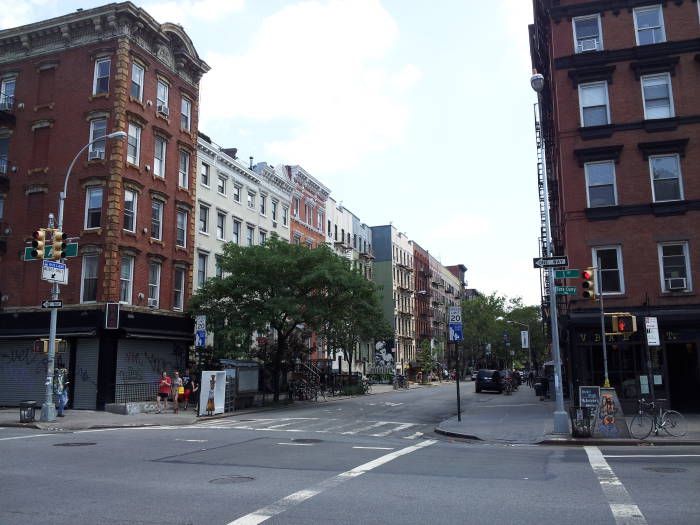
pixel 368 427
pixel 397 429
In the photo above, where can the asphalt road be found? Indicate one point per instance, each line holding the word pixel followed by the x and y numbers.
pixel 367 460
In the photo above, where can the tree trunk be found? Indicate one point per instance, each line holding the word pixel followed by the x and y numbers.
pixel 276 365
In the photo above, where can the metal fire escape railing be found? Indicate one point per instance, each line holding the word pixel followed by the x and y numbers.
pixel 541 174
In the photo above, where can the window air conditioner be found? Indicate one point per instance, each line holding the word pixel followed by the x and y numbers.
pixel 153 303
pixel 96 154
pixel 676 283
pixel 163 110
pixel 590 44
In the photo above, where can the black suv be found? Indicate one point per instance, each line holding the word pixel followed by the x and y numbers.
pixel 488 380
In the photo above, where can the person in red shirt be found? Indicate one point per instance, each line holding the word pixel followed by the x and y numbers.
pixel 164 388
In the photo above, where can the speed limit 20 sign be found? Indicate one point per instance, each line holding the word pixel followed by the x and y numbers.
pixel 455 314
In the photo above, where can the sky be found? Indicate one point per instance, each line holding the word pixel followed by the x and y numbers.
pixel 414 112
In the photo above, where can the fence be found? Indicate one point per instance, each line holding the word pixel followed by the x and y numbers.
pixel 133 392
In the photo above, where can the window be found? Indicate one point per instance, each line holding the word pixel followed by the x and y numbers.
pixel 666 178
pixel 610 259
pixel 219 271
pixel 251 200
pixel 178 289
pixel 236 193
pixel 273 207
pixel 133 147
pixel 100 83
pixel 329 228
pixel 203 218
pixel 4 150
pixel 309 214
pixel 98 130
pixel 159 157
pixel 221 185
pixel 136 81
pixel 236 234
pixel 7 93
pixel 88 288
pixel 649 25
pixel 157 219
pixel 185 114
pixel 154 284
pixel 204 174
pixel 126 276
pixel 162 97
pixel 319 221
pixel 130 203
pixel 221 226
pixel 184 170
pixel 587 34
pixel 658 99
pixel 93 207
pixel 593 99
pixel 2 208
pixel 263 204
pixel 285 215
pixel 201 268
pixel 263 237
pixel 675 270
pixel 600 181
pixel 295 206
pixel 250 234
pixel 181 229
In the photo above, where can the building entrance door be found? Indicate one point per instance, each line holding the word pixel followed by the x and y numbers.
pixel 683 376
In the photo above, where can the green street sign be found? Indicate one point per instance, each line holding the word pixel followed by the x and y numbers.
pixel 565 290
pixel 567 274
pixel 71 251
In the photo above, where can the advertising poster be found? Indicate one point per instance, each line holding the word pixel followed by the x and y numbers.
pixel 384 353
pixel 212 392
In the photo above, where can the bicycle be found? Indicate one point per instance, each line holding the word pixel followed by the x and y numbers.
pixel 507 387
pixel 366 386
pixel 644 423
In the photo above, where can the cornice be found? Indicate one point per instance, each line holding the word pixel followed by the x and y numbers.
pixel 603 6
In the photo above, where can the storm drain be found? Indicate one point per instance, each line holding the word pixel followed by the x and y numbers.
pixel 666 470
pixel 310 440
pixel 74 444
pixel 227 480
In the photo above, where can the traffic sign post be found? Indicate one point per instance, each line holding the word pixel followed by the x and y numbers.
pixel 58 303
pixel 200 330
pixel 71 251
pixel 550 262
pixel 54 272
pixel 567 274
pixel 565 290
pixel 455 313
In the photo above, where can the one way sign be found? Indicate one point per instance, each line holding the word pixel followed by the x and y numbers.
pixel 550 262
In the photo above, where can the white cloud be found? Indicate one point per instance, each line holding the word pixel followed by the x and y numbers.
pixel 181 11
pixel 318 65
pixel 15 14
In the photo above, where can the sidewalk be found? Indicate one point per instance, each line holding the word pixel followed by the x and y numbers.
pixel 523 419
pixel 87 419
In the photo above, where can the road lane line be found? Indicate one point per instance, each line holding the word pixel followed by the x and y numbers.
pixel 297 444
pixel 25 437
pixel 414 436
pixel 367 427
pixel 653 456
pixel 622 506
pixel 397 429
pixel 376 448
pixel 290 501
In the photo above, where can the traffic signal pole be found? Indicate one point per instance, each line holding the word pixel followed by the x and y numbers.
pixel 599 279
pixel 48 409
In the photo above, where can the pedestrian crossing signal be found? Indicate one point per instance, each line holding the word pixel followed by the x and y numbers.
pixel 624 324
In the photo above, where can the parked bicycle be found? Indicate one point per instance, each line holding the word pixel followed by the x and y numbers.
pixel 648 420
pixel 366 386
pixel 400 382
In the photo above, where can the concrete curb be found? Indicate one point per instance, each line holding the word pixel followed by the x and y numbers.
pixel 457 434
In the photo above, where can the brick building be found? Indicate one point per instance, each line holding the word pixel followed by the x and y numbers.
pixel 620 129
pixel 68 81
pixel 424 316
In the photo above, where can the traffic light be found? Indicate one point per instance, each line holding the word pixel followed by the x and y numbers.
pixel 58 245
pixel 624 324
pixel 38 243
pixel 41 346
pixel 588 283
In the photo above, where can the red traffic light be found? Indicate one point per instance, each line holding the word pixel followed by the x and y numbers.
pixel 587 274
pixel 39 234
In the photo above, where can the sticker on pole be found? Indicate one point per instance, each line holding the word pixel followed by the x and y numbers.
pixel 54 272
pixel 652 328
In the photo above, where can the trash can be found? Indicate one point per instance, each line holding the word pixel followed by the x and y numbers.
pixel 581 421
pixel 26 411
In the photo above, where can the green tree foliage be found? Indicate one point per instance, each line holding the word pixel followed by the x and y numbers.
pixel 425 359
pixel 278 288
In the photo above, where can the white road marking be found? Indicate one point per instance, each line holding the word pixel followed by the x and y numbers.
pixel 397 429
pixel 367 427
pixel 25 437
pixel 376 448
pixel 653 456
pixel 275 427
pixel 513 406
pixel 297 444
pixel 623 508
pixel 281 505
pixel 414 436
pixel 193 440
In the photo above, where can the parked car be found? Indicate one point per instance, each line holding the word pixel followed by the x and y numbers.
pixel 488 380
pixel 474 374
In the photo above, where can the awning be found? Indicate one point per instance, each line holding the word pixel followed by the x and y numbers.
pixel 38 333
pixel 144 333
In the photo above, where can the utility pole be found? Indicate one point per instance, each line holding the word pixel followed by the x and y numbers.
pixel 48 409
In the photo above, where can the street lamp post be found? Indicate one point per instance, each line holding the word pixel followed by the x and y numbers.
pixel 561 422
pixel 48 410
pixel 529 342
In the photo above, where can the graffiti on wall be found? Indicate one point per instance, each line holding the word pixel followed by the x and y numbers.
pixel 145 366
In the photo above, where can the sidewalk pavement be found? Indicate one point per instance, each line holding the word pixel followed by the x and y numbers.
pixel 87 419
pixel 523 419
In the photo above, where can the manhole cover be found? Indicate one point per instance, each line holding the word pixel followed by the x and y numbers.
pixel 668 470
pixel 307 440
pixel 226 480
pixel 74 444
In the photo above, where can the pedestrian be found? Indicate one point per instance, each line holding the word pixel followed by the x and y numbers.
pixel 163 392
pixel 177 389
pixel 531 379
pixel 190 388
pixel 60 389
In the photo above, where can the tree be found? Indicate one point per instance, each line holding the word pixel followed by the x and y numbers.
pixel 426 360
pixel 479 324
pixel 278 288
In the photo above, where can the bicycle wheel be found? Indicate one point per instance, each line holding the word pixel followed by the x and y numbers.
pixel 674 423
pixel 641 426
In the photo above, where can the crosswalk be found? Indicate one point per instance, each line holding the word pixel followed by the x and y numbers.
pixel 356 427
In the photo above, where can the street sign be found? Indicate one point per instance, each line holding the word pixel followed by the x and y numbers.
pixel 550 262
pixel 567 274
pixel 54 272
pixel 652 327
pixel 58 303
pixel 200 323
pixel 455 314
pixel 456 332
pixel 565 290
pixel 200 338
pixel 71 251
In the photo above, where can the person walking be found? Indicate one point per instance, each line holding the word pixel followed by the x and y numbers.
pixel 178 389
pixel 60 389
pixel 164 387
pixel 191 389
